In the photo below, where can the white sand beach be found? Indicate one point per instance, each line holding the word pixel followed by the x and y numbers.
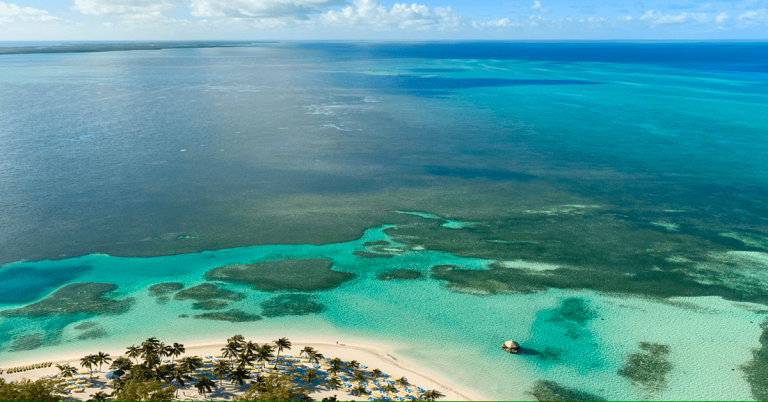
pixel 368 354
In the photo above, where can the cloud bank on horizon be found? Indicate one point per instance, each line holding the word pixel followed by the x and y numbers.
pixel 377 19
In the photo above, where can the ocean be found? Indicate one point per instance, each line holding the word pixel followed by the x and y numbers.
pixel 602 203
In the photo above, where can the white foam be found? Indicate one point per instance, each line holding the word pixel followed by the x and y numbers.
pixel 529 265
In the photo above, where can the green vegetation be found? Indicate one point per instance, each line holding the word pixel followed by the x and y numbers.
pixel 545 390
pixel 26 390
pixel 207 291
pixel 162 289
pixel 291 304
pixel 274 388
pixel 400 274
pixel 648 370
pixel 368 254
pixel 147 390
pixel 75 298
pixel 290 274
pixel 232 315
pixel 756 370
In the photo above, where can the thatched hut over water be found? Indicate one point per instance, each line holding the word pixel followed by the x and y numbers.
pixel 510 346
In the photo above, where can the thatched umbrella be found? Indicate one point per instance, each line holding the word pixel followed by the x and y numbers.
pixel 510 346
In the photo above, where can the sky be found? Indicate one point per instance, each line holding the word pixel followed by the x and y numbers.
pixel 35 20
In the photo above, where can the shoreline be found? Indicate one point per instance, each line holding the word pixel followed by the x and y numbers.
pixel 374 355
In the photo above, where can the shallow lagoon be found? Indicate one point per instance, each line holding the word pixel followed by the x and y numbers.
pixel 580 339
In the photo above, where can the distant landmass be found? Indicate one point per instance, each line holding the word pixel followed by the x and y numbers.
pixel 91 47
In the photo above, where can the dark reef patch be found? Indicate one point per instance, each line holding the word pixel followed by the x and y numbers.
pixel 368 254
pixel 25 284
pixel 756 370
pixel 594 248
pixel 86 325
pixel 94 333
pixel 291 304
pixel 27 342
pixel 376 243
pixel 80 297
pixel 209 305
pixel 574 309
pixel 207 291
pixel 162 289
pixel 648 370
pixel 573 315
pixel 233 315
pixel 544 390
pixel 499 279
pixel 290 274
pixel 400 274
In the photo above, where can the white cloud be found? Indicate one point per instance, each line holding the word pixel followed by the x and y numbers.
pixel 124 7
pixel 372 13
pixel 754 17
pixel 497 23
pixel 537 6
pixel 721 17
pixel 658 18
pixel 10 13
pixel 261 9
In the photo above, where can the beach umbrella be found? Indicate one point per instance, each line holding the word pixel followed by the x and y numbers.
pixel 114 374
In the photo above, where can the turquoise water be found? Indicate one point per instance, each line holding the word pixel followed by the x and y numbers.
pixel 455 334
pixel 589 197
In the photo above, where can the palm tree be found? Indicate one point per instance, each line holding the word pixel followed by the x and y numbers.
pixel 134 352
pixel 402 381
pixel 177 350
pixel 205 385
pixel 231 350
pixel 432 395
pixel 311 376
pixel 221 369
pixel 359 376
pixel 389 388
pixel 336 365
pixel 190 364
pixel 361 390
pixel 165 350
pixel 244 360
pixel 264 354
pixel 237 340
pixel 333 382
pixel 239 375
pixel 354 365
pixel 89 361
pixel 103 358
pixel 307 350
pixel 251 348
pixel 282 343
pixel 178 375
pixel 66 370
pixel 316 356
pixel 99 396
pixel 376 373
